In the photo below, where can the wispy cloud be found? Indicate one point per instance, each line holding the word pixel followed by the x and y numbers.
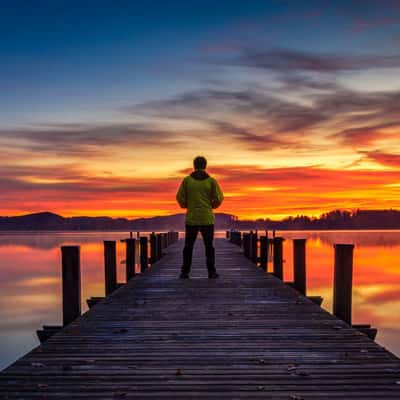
pixel 388 159
pixel 291 60
pixel 85 139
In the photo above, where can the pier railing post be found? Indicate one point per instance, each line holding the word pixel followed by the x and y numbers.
pixel 235 237
pixel 110 266
pixel 169 238
pixel 343 281
pixel 250 246
pixel 159 245
pixel 299 265
pixel 153 248
pixel 71 283
pixel 246 244
pixel 254 247
pixel 130 258
pixel 143 254
pixel 264 252
pixel 278 257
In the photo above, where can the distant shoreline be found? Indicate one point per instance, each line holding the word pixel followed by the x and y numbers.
pixel 334 220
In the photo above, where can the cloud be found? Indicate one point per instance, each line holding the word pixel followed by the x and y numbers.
pixel 290 60
pixel 75 181
pixel 209 105
pixel 84 139
pixel 297 82
pixel 367 135
pixel 260 120
pixel 361 105
pixel 388 159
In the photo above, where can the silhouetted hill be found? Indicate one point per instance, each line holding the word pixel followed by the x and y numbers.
pixel 48 221
pixel 360 219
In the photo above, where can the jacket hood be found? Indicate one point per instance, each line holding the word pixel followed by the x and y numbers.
pixel 199 175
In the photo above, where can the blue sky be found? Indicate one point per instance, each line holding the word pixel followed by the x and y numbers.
pixel 76 60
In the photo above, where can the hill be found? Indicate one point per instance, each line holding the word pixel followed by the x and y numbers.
pixel 47 221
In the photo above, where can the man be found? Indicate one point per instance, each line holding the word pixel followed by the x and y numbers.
pixel 200 194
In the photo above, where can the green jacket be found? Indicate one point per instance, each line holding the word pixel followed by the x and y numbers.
pixel 199 193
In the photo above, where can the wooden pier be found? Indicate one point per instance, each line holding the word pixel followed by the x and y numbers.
pixel 246 335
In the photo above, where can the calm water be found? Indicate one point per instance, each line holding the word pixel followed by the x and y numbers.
pixel 30 284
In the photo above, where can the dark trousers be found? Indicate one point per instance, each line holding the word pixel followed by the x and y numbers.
pixel 207 232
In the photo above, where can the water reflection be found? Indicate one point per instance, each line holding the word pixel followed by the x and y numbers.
pixel 376 276
pixel 30 282
pixel 30 279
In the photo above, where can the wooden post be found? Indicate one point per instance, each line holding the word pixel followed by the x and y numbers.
pixel 159 246
pixel 110 266
pixel 299 265
pixel 165 237
pixel 343 281
pixel 264 252
pixel 143 254
pixel 130 258
pixel 130 234
pixel 250 246
pixel 153 248
pixel 246 244
pixel 71 283
pixel 254 247
pixel 278 257
pixel 227 234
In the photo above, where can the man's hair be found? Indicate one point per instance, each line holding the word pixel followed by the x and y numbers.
pixel 200 163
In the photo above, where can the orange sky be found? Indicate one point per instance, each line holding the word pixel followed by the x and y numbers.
pixel 129 171
pixel 252 191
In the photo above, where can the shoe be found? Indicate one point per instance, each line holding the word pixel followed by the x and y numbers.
pixel 184 275
pixel 213 275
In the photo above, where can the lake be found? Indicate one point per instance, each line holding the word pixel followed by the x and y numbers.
pixel 30 285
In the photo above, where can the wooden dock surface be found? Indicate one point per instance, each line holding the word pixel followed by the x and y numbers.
pixel 243 336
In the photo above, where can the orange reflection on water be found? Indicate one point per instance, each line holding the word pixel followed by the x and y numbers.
pixel 376 276
pixel 30 270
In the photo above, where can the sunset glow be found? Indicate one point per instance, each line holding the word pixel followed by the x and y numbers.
pixel 291 122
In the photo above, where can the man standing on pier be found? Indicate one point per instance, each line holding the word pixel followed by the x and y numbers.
pixel 199 193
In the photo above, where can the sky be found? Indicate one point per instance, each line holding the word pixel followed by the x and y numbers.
pixel 104 105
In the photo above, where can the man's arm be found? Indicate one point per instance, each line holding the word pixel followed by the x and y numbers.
pixel 218 196
pixel 181 195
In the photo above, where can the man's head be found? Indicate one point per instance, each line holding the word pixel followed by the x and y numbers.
pixel 200 163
